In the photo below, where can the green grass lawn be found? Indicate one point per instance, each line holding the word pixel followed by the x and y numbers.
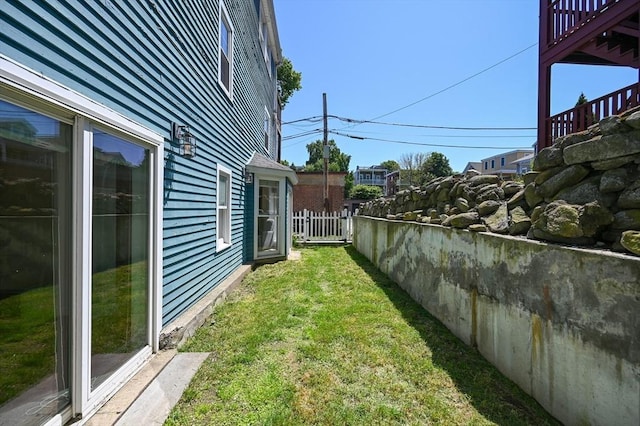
pixel 28 329
pixel 327 340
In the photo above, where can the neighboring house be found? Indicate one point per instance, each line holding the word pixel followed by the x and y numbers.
pixel 138 148
pixel 309 192
pixel 523 165
pixel 588 33
pixel 473 165
pixel 392 183
pixel 374 175
pixel 504 164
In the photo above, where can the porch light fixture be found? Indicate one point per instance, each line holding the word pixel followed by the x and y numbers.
pixel 248 176
pixel 186 140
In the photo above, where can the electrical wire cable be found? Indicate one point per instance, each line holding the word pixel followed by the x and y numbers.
pixel 426 144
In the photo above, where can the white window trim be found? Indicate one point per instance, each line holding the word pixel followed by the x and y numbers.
pixel 220 239
pixel 24 84
pixel 224 15
pixel 267 130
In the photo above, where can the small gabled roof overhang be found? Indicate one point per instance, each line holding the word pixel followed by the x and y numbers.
pixel 261 164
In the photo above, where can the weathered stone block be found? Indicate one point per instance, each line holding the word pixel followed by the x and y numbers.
pixel 516 199
pixel 627 220
pixel 498 222
pixel 613 180
pixel 633 120
pixel 542 177
pixel 491 192
pixel 488 207
pixel 463 220
pixel 484 179
pixel 510 188
pixel 547 158
pixel 630 197
pixel 585 192
pixel 613 124
pixel 631 241
pixel 606 147
pixel 477 227
pixel 462 205
pixel 520 222
pixel 568 177
pixel 531 195
pixel 574 138
pixel 614 163
pixel 529 177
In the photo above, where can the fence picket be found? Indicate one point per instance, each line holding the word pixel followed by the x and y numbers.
pixel 322 226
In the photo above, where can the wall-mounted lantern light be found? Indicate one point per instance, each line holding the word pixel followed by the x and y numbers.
pixel 186 140
pixel 248 176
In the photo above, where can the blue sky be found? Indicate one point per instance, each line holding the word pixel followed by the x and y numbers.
pixel 372 57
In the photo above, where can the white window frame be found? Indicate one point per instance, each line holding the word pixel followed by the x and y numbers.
pixel 224 18
pixel 32 90
pixel 267 130
pixel 223 232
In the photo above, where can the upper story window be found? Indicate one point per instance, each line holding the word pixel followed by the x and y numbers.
pixel 486 165
pixel 225 71
pixel 267 129
pixel 502 161
pixel 493 164
pixel 264 45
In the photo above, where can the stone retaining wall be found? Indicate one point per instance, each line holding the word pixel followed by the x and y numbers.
pixel 584 190
pixel 561 322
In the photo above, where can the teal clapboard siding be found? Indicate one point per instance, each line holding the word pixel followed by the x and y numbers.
pixel 157 63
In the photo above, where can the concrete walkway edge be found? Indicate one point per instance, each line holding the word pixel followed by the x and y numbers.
pixel 153 406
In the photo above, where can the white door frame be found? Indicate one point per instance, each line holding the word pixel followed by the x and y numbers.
pixel 28 87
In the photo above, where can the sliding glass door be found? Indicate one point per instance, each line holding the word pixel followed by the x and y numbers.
pixel 79 256
pixel 120 253
pixel 35 265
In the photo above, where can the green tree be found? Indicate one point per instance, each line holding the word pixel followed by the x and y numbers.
pixel 584 116
pixel 365 192
pixel 338 161
pixel 436 165
pixel 348 184
pixel 289 81
pixel 410 167
pixel 390 165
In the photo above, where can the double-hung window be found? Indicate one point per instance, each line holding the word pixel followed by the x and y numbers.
pixel 223 220
pixel 267 129
pixel 225 69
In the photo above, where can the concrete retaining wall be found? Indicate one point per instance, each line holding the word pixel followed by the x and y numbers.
pixel 563 323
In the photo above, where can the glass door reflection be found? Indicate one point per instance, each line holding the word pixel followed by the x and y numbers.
pixel 120 254
pixel 268 217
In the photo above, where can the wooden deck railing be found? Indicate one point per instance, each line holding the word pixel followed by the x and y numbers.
pixel 579 118
pixel 566 16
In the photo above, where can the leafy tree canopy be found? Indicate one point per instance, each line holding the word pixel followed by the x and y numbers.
pixel 436 165
pixel 338 161
pixel 289 81
pixel 390 165
pixel 365 192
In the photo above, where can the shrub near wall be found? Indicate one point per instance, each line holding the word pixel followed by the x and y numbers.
pixel 584 190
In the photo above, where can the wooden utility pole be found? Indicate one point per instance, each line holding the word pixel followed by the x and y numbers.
pixel 325 153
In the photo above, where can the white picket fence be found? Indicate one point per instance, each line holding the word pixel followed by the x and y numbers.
pixel 311 226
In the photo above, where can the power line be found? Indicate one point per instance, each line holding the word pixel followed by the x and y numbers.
pixel 313 120
pixel 425 126
pixel 452 85
pixel 299 135
pixel 426 144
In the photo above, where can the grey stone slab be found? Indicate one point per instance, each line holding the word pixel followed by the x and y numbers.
pixel 154 404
